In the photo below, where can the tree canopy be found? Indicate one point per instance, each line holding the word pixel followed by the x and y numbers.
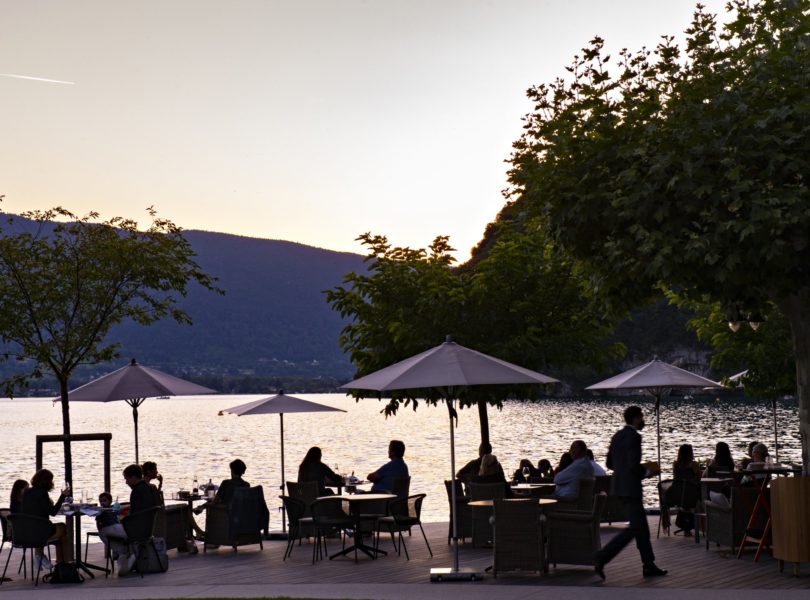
pixel 64 284
pixel 686 168
pixel 519 300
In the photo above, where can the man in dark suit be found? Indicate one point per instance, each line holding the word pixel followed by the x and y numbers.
pixel 624 457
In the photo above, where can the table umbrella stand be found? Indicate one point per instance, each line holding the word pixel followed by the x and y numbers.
pixel 454 573
pixel 135 403
pixel 275 534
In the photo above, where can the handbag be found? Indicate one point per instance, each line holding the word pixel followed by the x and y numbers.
pixel 64 572
pixel 152 556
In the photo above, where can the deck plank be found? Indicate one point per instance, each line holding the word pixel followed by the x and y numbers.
pixel 690 565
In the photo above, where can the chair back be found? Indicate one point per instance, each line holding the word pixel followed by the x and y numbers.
pixel 29 531
pixel 599 502
pixel 295 509
pixel 246 511
pixel 487 491
pixel 4 513
pixel 585 496
pixel 328 511
pixel 683 493
pixel 401 487
pixel 306 491
pixel 459 490
pixel 517 536
pixel 140 525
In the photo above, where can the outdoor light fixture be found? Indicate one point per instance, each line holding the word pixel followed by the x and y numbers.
pixel 753 319
pixel 735 326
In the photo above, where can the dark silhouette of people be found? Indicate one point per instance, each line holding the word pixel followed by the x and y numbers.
pixel 472 468
pixel 383 478
pixel 37 502
pixel 313 469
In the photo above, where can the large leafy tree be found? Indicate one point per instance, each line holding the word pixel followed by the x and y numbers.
pixel 64 284
pixel 686 169
pixel 519 300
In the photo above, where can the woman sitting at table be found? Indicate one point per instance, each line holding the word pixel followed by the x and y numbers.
pixel 685 466
pixel 37 502
pixel 759 461
pixel 519 477
pixel 312 469
pixel 722 460
pixel 15 505
pixel 545 469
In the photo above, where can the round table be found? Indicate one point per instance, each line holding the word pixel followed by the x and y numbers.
pixel 540 501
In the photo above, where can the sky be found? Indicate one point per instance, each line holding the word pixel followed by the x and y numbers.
pixel 305 120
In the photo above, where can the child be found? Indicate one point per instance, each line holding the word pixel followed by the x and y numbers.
pixel 112 533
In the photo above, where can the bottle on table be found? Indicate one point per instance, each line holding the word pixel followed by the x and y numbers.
pixel 116 506
pixel 195 488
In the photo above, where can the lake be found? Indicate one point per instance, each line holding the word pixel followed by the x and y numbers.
pixel 186 437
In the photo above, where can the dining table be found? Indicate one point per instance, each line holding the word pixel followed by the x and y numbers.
pixel 355 510
pixel 73 520
pixel 542 502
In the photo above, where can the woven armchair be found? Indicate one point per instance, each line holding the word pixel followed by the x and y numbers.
pixel 239 523
pixel 517 537
pixel 583 501
pixel 573 536
pixel 725 525
pixel 481 527
pixel 463 511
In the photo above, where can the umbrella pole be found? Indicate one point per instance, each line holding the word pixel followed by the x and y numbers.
pixel 453 483
pixel 658 430
pixel 134 404
pixel 283 512
pixel 775 433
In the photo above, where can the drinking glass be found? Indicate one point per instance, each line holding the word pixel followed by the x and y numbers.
pixel 525 474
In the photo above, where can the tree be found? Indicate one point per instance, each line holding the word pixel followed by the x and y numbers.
pixel 519 300
pixel 686 171
pixel 63 285
pixel 766 354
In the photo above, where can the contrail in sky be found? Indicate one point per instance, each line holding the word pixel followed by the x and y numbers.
pixel 36 78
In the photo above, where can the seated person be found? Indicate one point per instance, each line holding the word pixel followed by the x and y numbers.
pixel 568 479
pixel 545 469
pixel 519 476
pixel 313 469
pixel 565 460
pixel 722 460
pixel 747 459
pixel 598 470
pixel 759 460
pixel 685 466
pixel 150 474
pixel 111 532
pixel 226 489
pixel 143 496
pixel 472 468
pixel 383 478
pixel 15 504
pixel 37 502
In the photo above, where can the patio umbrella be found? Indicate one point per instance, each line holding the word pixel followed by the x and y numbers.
pixel 135 383
pixel 447 368
pixel 656 378
pixel 280 404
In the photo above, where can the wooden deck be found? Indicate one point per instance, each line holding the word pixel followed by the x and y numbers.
pixel 690 566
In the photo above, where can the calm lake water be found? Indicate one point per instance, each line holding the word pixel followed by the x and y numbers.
pixel 186 437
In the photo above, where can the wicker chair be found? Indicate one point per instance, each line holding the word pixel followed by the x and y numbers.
pixel 463 512
pixel 517 537
pixel 681 494
pixel 404 514
pixel 306 491
pixel 725 524
pixel 573 536
pixel 614 507
pixel 28 532
pixel 239 523
pixel 298 524
pixel 481 527
pixel 329 516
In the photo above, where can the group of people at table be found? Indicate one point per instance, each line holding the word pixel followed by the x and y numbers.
pixel 146 492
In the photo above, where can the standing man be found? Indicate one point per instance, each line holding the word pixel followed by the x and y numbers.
pixel 624 457
pixel 383 478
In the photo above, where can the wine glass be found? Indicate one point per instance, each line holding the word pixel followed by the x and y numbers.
pixel 525 473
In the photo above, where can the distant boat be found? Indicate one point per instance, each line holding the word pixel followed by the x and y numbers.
pixel 163 397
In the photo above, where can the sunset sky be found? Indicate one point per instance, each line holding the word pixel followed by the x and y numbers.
pixel 311 121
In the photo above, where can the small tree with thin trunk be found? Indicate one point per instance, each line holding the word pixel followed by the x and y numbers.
pixel 64 284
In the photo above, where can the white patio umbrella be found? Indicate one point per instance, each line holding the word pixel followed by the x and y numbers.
pixel 656 378
pixel 135 383
pixel 280 404
pixel 447 368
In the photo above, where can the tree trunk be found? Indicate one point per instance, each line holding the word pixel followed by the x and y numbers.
pixel 797 310
pixel 483 419
pixel 63 389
